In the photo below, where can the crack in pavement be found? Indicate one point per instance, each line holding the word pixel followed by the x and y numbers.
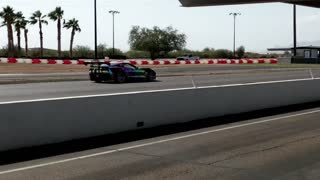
pixel 183 161
pixel 265 149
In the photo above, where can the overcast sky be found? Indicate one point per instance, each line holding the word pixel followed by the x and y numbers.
pixel 258 28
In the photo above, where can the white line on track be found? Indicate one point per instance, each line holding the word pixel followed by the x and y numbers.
pixel 153 91
pixel 153 143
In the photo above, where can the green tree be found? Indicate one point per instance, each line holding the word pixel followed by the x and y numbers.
pixel 222 53
pixel 156 40
pixel 207 52
pixel 102 50
pixel 241 52
pixel 8 15
pixel 72 24
pixel 137 54
pixel 38 17
pixel 207 49
pixel 83 52
pixel 57 15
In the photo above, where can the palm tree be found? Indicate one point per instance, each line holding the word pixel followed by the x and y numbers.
pixel 18 26
pixel 8 16
pixel 74 25
pixel 24 24
pixel 38 17
pixel 57 15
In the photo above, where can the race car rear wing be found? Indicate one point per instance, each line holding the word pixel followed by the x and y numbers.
pixel 96 63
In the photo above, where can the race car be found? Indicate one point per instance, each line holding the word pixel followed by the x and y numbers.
pixel 188 58
pixel 118 72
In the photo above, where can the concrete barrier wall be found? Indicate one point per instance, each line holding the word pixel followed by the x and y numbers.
pixel 25 124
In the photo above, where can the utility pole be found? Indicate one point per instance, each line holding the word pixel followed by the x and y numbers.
pixel 234 31
pixel 95 31
pixel 294 30
pixel 113 12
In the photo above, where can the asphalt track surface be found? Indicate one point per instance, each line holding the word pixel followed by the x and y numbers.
pixel 30 91
pixel 166 71
pixel 275 146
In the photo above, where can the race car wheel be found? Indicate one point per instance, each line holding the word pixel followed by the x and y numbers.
pixel 150 75
pixel 120 77
pixel 97 80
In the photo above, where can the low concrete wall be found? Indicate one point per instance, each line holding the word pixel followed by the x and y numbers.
pixel 298 60
pixel 25 124
pixel 284 60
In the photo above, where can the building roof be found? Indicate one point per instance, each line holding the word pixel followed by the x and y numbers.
pixel 290 49
pixel 193 3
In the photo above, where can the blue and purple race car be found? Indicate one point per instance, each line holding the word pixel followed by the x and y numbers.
pixel 119 72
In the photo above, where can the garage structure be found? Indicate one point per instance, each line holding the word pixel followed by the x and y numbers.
pixel 309 3
pixel 193 3
pixel 305 54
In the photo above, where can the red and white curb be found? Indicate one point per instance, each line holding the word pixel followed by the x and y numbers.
pixel 38 61
pixel 140 62
pixel 202 61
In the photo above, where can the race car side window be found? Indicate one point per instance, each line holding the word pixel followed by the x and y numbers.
pixel 130 66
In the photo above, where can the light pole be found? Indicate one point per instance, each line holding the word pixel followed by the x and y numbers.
pixel 95 31
pixel 113 12
pixel 294 30
pixel 234 31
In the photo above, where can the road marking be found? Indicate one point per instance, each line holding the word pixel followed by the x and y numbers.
pixel 152 91
pixel 153 143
